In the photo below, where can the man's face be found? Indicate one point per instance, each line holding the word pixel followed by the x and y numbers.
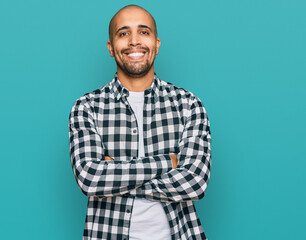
pixel 134 43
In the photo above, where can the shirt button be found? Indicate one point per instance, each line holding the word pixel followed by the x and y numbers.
pixel 128 211
pixel 134 131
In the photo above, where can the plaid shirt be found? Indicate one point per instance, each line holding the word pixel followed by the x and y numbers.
pixel 102 123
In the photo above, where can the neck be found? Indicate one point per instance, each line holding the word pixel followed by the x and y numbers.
pixel 139 84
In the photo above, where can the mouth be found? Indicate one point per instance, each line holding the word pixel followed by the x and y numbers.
pixel 137 54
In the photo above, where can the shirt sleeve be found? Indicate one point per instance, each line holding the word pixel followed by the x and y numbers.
pixel 96 176
pixel 189 180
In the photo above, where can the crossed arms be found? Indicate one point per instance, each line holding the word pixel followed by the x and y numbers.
pixel 172 156
pixel 154 177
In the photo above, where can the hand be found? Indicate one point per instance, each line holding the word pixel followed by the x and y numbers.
pixel 107 158
pixel 174 160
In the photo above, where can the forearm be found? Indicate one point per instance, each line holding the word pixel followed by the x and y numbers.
pixel 188 182
pixel 96 176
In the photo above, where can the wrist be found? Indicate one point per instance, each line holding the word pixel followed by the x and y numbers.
pixel 173 160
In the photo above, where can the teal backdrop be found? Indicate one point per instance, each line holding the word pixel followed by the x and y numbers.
pixel 244 59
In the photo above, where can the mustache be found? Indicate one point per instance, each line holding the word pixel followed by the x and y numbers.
pixel 133 49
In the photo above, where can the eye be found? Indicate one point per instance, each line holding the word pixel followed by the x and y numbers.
pixel 144 32
pixel 123 34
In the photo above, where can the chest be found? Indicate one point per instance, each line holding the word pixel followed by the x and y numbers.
pixel 162 125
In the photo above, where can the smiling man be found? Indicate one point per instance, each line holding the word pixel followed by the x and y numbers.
pixel 140 146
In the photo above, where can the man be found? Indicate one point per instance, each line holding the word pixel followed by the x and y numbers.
pixel 140 147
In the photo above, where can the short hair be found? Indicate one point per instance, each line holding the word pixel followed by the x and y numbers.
pixel 111 23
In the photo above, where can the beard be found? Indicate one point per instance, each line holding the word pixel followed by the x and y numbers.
pixel 135 70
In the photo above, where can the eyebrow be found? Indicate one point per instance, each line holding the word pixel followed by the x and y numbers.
pixel 127 27
pixel 145 26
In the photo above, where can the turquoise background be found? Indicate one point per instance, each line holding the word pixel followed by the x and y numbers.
pixel 244 59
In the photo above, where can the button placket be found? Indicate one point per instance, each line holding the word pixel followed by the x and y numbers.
pixel 134 129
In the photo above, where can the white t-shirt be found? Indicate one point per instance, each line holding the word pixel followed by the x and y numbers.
pixel 149 220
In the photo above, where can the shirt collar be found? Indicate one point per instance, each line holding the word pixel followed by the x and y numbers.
pixel 120 91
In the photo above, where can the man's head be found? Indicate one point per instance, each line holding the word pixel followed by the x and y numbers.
pixel 133 41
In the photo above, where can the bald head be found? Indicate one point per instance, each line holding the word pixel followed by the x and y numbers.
pixel 112 23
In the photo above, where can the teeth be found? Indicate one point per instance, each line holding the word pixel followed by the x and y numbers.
pixel 135 54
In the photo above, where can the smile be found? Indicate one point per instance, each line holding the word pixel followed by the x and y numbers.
pixel 135 55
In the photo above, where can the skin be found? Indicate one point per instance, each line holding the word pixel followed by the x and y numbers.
pixel 134 32
pixel 134 44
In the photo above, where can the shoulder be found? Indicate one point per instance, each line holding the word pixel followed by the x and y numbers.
pixel 90 99
pixel 188 104
pixel 179 93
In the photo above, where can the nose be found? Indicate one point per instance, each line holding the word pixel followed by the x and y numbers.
pixel 134 39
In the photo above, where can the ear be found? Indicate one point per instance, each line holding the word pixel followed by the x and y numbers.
pixel 157 45
pixel 110 48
